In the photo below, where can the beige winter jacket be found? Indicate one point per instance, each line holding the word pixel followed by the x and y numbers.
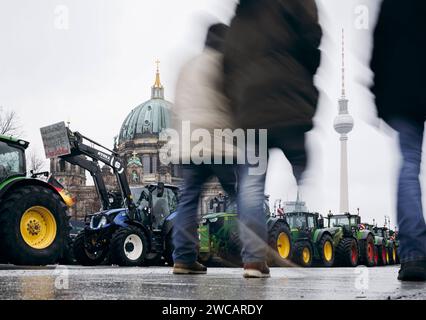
pixel 200 102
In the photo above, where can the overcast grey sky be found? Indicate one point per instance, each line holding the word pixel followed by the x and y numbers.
pixel 94 72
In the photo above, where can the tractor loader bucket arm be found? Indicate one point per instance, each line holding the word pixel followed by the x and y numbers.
pixel 109 158
pixel 95 171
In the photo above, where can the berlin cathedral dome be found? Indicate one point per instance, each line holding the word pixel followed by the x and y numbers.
pixel 149 118
pixel 139 144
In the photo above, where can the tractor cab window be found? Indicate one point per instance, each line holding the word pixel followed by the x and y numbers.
pixel 311 222
pixel 379 233
pixel 141 196
pixel 11 161
pixel 339 221
pixel 297 222
pixel 163 204
pixel 354 221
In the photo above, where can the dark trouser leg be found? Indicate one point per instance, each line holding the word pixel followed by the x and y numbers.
pixel 227 175
pixel 412 227
pixel 185 230
pixel 252 223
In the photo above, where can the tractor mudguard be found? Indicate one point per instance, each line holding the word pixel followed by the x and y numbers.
pixel 363 234
pixel 273 221
pixel 319 233
pixel 23 182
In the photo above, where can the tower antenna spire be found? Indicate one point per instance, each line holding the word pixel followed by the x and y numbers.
pixel 343 64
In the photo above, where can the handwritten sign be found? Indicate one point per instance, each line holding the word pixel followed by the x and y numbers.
pixel 55 140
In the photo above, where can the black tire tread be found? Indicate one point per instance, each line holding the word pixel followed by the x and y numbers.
pixel 80 254
pixel 274 258
pixel 12 245
pixel 116 248
pixel 343 253
pixel 321 244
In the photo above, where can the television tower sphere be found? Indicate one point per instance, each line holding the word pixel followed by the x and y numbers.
pixel 344 122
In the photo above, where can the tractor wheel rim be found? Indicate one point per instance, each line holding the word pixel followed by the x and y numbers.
pixel 283 245
pixel 133 247
pixel 370 252
pixel 38 227
pixel 387 257
pixel 394 254
pixel 306 255
pixel 328 251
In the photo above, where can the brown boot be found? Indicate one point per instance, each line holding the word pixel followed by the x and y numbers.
pixel 193 268
pixel 256 270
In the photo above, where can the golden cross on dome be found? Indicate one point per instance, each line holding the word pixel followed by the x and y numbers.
pixel 134 154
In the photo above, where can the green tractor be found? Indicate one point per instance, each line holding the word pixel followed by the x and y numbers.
pixel 356 244
pixel 390 242
pixel 381 253
pixel 34 225
pixel 219 238
pixel 311 241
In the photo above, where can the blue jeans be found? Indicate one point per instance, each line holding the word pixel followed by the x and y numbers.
pixel 412 227
pixel 252 217
pixel 185 229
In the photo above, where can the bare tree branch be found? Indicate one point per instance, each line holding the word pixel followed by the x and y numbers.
pixel 35 162
pixel 9 123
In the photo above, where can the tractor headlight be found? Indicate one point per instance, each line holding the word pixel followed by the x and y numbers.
pixel 203 221
pixel 213 220
pixel 98 222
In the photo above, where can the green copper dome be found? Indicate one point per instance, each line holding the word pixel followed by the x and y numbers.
pixel 149 118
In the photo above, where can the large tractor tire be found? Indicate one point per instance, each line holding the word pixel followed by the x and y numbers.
pixel 392 254
pixel 326 250
pixel 128 247
pixel 34 226
pixel 347 253
pixel 376 256
pixel 367 251
pixel 382 252
pixel 230 252
pixel 84 255
pixel 303 254
pixel 68 257
pixel 279 240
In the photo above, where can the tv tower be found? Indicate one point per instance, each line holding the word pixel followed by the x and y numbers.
pixel 343 124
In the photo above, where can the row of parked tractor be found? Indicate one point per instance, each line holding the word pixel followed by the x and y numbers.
pixel 134 226
pixel 304 239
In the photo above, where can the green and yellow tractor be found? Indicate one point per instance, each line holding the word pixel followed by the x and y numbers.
pixel 34 225
pixel 312 243
pixel 220 241
pixel 357 244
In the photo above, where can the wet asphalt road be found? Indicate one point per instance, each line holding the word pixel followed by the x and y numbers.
pixel 112 283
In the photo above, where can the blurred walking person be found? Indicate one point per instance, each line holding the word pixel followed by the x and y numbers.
pixel 271 57
pixel 399 65
pixel 200 103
